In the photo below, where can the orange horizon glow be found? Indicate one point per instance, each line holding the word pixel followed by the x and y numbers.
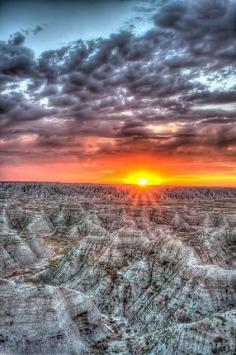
pixel 143 178
pixel 127 169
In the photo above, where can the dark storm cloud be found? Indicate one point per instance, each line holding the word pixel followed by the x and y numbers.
pixel 15 61
pixel 213 97
pixel 129 89
pixel 18 38
pixel 208 27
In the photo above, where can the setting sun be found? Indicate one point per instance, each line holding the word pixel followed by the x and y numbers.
pixel 142 182
pixel 143 178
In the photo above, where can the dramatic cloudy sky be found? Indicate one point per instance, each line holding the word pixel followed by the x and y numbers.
pixel 95 90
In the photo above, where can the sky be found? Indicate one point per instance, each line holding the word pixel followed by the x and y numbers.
pixel 105 91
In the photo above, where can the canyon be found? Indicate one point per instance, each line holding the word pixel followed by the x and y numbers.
pixel 105 269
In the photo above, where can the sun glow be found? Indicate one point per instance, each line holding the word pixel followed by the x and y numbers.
pixel 143 178
pixel 142 182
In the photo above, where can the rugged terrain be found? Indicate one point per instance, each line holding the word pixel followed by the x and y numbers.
pixel 98 269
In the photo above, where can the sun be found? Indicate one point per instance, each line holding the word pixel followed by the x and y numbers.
pixel 143 178
pixel 142 182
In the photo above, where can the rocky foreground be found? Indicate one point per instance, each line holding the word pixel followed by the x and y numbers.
pixel 92 269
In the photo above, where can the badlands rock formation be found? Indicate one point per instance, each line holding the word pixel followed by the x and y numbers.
pixel 89 269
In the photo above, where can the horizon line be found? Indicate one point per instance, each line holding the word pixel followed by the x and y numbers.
pixel 115 184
